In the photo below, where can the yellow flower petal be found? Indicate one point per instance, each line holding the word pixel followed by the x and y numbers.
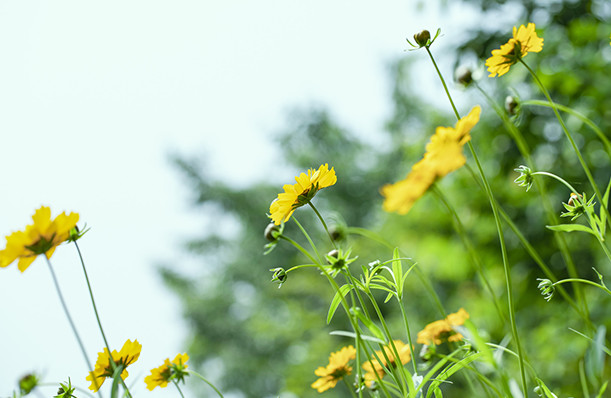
pixel 524 41
pixel 130 352
pixel 299 194
pixel 335 370
pixel 444 154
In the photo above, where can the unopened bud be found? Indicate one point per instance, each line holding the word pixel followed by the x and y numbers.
pixel 271 232
pixel 464 76
pixel 422 38
pixel 511 104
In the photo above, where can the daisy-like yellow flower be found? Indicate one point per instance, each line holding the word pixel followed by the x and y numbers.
pixel 336 369
pixel 130 352
pixel 524 41
pixel 443 330
pixel 443 155
pixel 161 376
pixel 375 369
pixel 301 193
pixel 41 237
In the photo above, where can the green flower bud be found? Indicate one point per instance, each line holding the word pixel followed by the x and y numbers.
pixel 279 276
pixel 525 179
pixel 27 383
pixel 547 288
pixel 511 105
pixel 422 38
pixel 464 76
pixel 271 232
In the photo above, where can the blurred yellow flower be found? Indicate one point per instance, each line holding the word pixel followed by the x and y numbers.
pixel 174 370
pixel 41 237
pixel 375 369
pixel 301 193
pixel 335 370
pixel 443 155
pixel 524 40
pixel 443 330
pixel 130 352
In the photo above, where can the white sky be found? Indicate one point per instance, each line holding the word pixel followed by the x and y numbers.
pixel 94 96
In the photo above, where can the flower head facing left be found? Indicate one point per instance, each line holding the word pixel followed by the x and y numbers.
pixel 41 237
pixel 169 371
pixel 443 155
pixel 301 193
pixel 524 41
pixel 377 366
pixel 337 369
pixel 130 352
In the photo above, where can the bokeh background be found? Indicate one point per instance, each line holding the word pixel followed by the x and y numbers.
pixel 170 126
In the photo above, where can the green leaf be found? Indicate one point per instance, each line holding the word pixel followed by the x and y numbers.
pixel 377 332
pixel 446 373
pixel 602 390
pixel 547 391
pixel 571 228
pixel 336 300
pixel 116 377
pixel 603 214
pixel 353 335
pixel 397 270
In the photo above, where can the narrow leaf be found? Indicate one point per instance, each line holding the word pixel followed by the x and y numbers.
pixel 336 300
pixel 570 228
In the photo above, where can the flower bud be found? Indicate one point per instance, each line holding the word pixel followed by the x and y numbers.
pixel 464 76
pixel 271 232
pixel 422 38
pixel 279 276
pixel 547 288
pixel 511 105
pixel 27 383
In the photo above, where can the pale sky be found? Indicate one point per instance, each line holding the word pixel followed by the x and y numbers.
pixel 95 96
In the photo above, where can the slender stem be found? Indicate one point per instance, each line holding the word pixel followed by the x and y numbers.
pixel 305 233
pixel 70 321
pixel 178 388
pixel 349 387
pixel 95 309
pixel 547 205
pixel 97 316
pixel 460 229
pixel 585 167
pixel 499 228
pixel 578 115
pixel 324 224
pixel 205 381
pixel 545 173
pixel 409 335
pixel 579 280
pixel 299 247
pixel 445 87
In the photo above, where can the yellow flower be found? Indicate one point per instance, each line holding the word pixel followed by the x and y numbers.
pixel 442 330
pixel 443 155
pixel 335 370
pixel 41 237
pixel 174 370
pixel 301 193
pixel 103 368
pixel 524 41
pixel 375 369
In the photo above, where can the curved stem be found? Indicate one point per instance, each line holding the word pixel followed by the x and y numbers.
pixel 205 381
pixel 545 173
pixel 579 280
pixel 585 167
pixel 578 115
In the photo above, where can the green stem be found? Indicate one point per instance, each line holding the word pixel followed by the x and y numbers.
pixel 545 173
pixel 409 335
pixel 178 388
pixel 97 316
pixel 578 115
pixel 310 241
pixel 70 321
pixel 349 387
pixel 205 381
pixel 547 205
pixel 299 247
pixel 499 228
pixel 579 280
pixel 323 223
pixel 460 229
pixel 585 167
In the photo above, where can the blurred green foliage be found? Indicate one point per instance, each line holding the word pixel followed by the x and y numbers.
pixel 260 341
